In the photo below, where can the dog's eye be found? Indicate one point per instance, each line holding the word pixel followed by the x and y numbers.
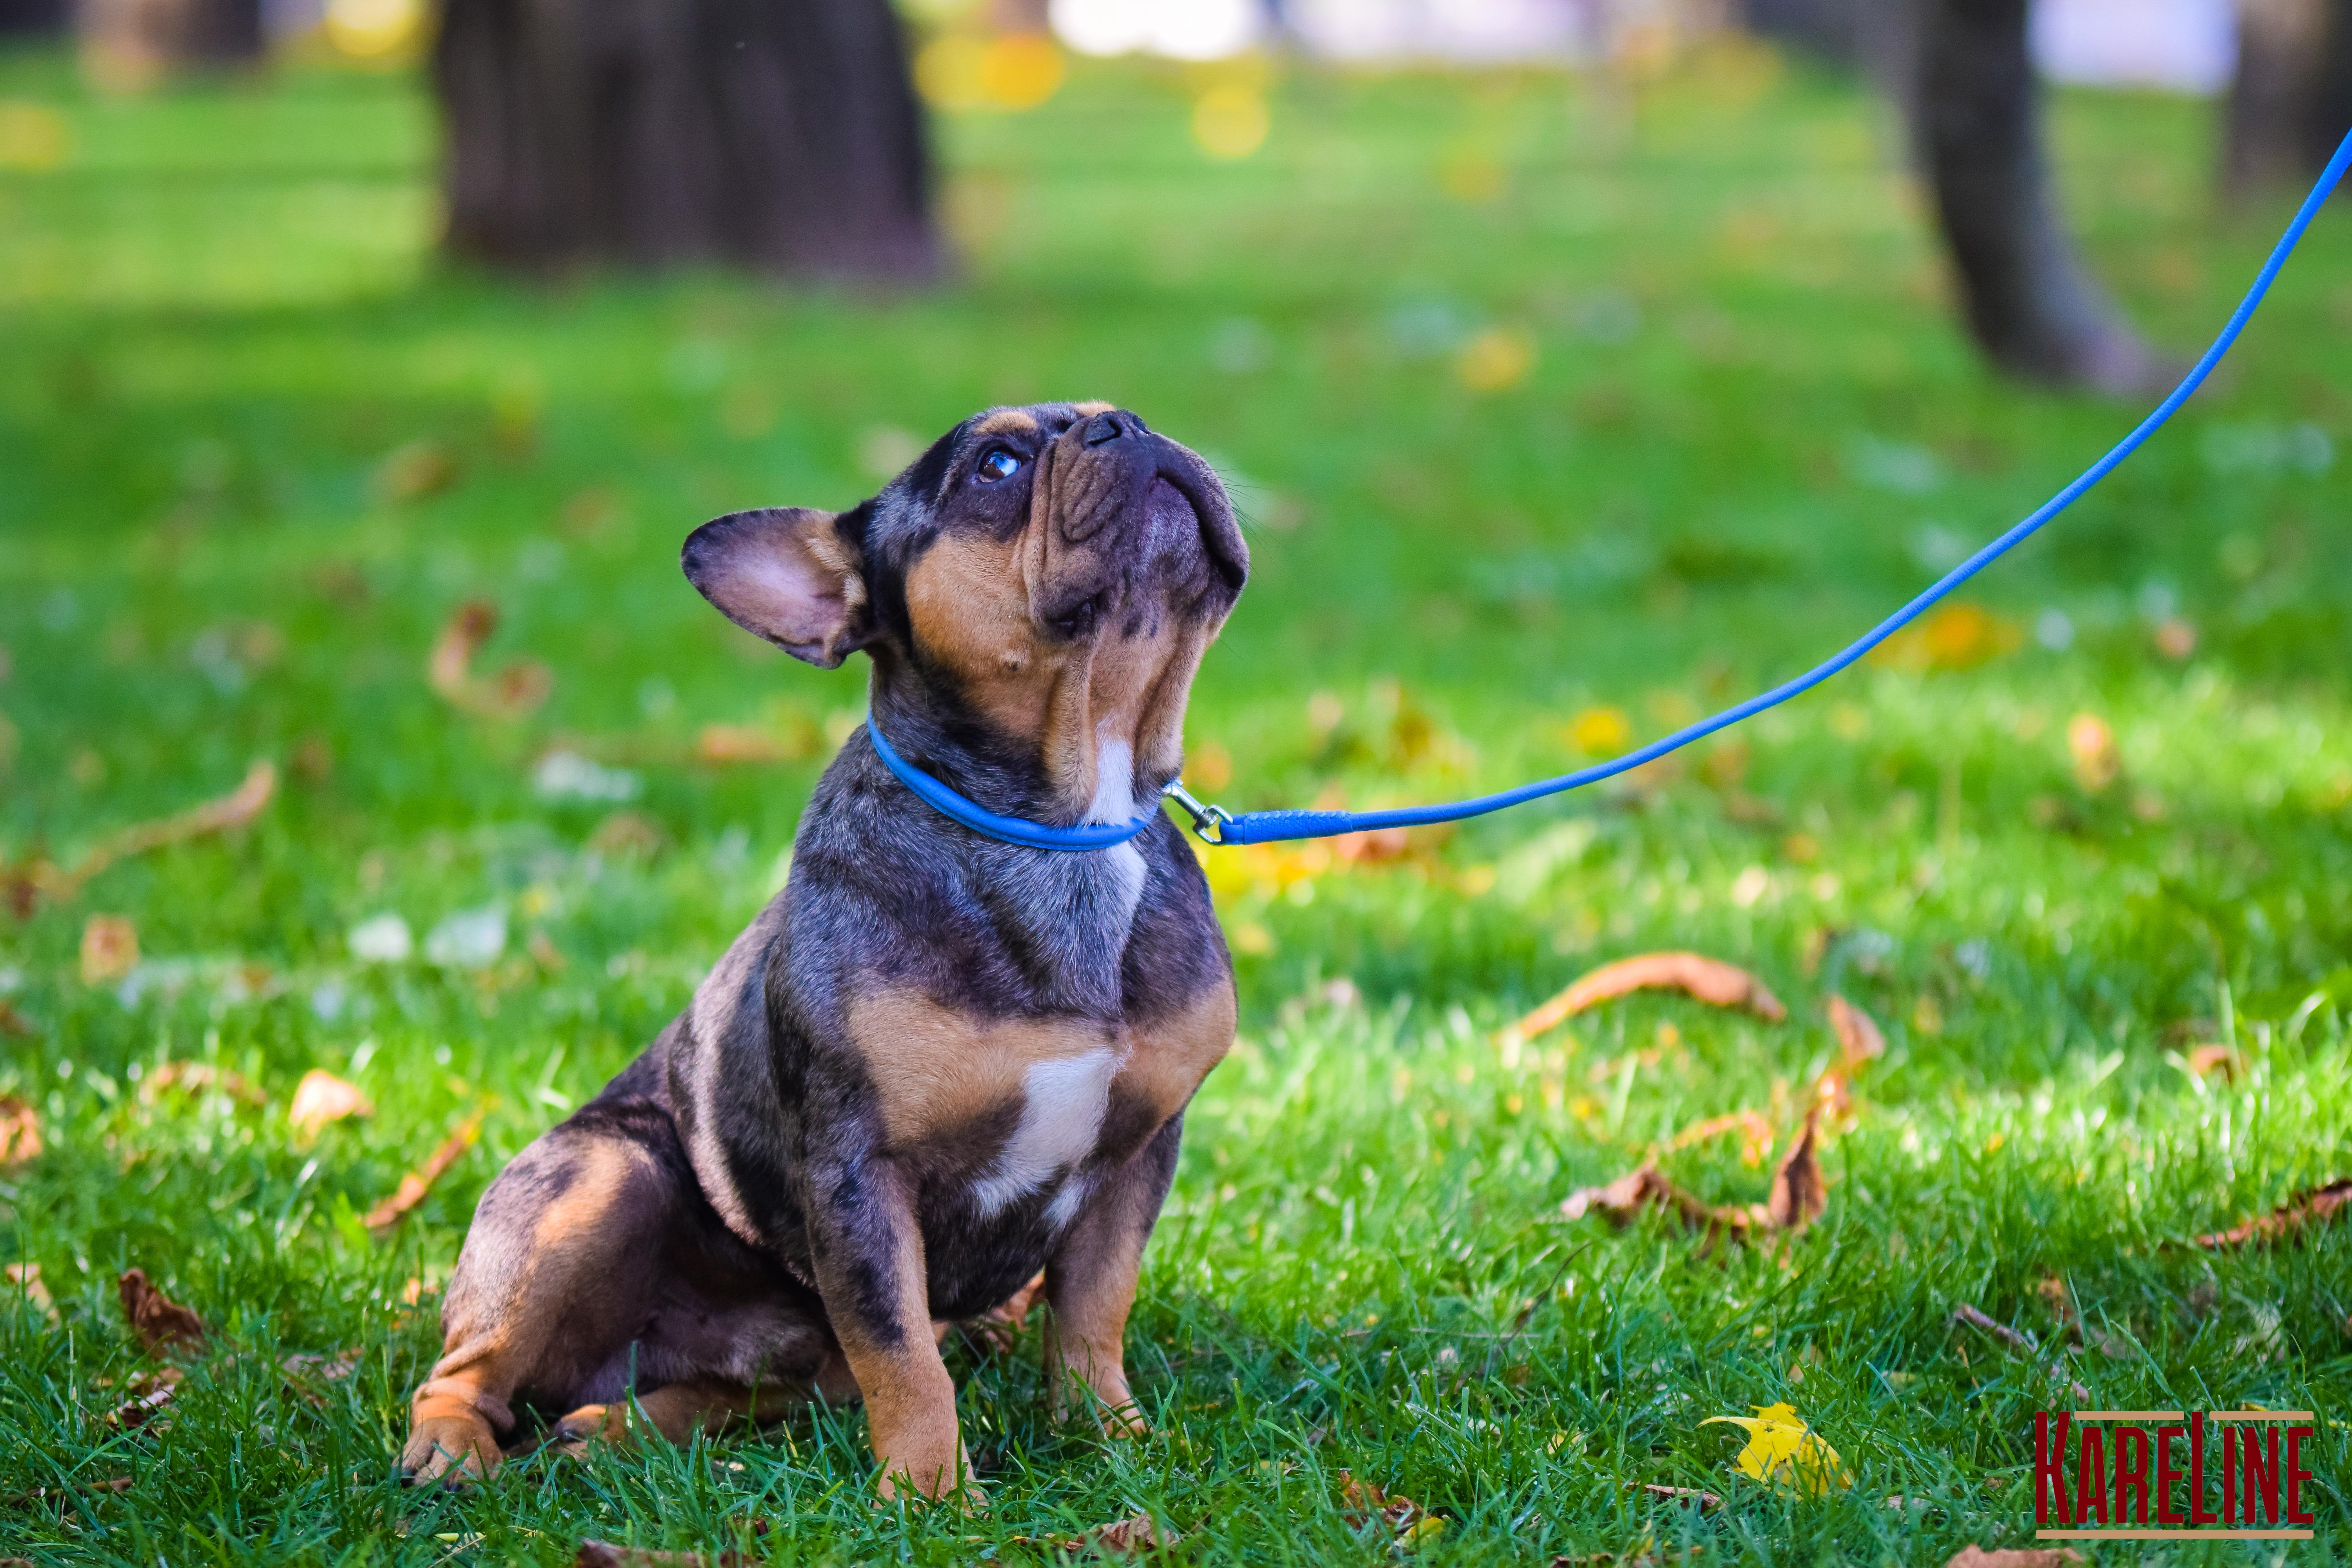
pixel 995 464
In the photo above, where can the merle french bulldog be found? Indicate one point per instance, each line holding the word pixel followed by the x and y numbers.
pixel 935 1063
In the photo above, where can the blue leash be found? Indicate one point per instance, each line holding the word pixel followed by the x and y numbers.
pixel 1218 826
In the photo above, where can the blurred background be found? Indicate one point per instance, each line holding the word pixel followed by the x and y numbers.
pixel 1578 364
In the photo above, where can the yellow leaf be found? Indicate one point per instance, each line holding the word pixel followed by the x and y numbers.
pixel 1783 1451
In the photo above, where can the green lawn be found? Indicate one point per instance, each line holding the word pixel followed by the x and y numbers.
pixel 1748 426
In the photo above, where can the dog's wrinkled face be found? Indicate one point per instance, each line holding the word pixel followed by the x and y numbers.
pixel 1054 572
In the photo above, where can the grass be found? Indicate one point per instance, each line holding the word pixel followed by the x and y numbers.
pixel 1742 424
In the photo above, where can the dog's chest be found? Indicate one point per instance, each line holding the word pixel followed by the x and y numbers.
pixel 1005 1107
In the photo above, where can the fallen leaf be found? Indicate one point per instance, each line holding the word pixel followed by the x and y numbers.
pixel 994 1330
pixel 2289 1220
pixel 2093 746
pixel 20 1132
pixel 1706 1500
pixel 721 745
pixel 1783 1451
pixel 2014 1557
pixel 1755 1134
pixel 419 1182
pixel 2015 1339
pixel 309 1366
pixel 12 1024
pixel 513 692
pixel 235 809
pixel 1798 1196
pixel 605 1554
pixel 1709 980
pixel 2206 1060
pixel 26 1279
pixel 195 1077
pixel 109 949
pixel 1124 1537
pixel 163 1325
pixel 321 1097
pixel 148 1393
pixel 1859 1040
pixel 2061 1302
pixel 1362 1503
pixel 414 471
pixel 1958 636
pixel 1620 1200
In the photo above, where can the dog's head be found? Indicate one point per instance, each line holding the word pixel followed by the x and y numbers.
pixel 1050 575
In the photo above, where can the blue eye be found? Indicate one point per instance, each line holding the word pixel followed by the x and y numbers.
pixel 995 464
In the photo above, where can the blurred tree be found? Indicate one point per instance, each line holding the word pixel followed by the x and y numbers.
pixel 1977 122
pixel 782 135
pixel 2291 100
pixel 134 43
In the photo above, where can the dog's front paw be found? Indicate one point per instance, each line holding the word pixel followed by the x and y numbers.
pixel 452 1446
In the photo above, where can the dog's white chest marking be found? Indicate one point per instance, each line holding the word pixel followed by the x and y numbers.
pixel 1063 1102
pixel 1113 801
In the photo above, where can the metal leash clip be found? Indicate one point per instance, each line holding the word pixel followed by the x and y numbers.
pixel 1204 817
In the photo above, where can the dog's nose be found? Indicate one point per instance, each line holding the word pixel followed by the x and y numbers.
pixel 1103 427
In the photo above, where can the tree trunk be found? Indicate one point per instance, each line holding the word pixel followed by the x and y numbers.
pixel 782 135
pixel 2291 100
pixel 134 43
pixel 1978 119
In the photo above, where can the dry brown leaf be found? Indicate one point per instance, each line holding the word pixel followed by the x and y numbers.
pixel 514 691
pixel 20 1132
pixel 1707 979
pixel 1625 1197
pixel 1860 1042
pixel 994 1330
pixel 1796 1199
pixel 148 1393
pixel 1360 1503
pixel 235 809
pixel 2060 1301
pixel 2017 1340
pixel 2206 1060
pixel 309 1366
pixel 1124 1538
pixel 1755 1134
pixel 605 1554
pixel 163 1325
pixel 26 1280
pixel 1706 1500
pixel 721 745
pixel 2289 1220
pixel 419 1182
pixel 321 1097
pixel 1798 1196
pixel 109 949
pixel 414 471
pixel 12 1024
pixel 194 1078
pixel 2014 1557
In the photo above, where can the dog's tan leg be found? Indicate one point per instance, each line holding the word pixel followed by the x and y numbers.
pixel 870 1270
pixel 1090 1285
pixel 677 1411
pixel 556 1257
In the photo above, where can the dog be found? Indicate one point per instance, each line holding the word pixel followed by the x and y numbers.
pixel 936 1064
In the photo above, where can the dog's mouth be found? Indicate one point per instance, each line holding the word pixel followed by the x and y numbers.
pixel 1185 498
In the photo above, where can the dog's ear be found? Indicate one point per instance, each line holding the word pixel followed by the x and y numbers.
pixel 785 574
